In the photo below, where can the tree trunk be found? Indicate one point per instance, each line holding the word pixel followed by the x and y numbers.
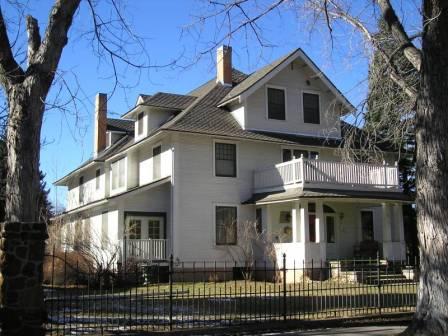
pixel 23 237
pixel 431 317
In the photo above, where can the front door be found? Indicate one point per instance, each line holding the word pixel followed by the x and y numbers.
pixel 332 236
pixel 367 225
pixel 144 227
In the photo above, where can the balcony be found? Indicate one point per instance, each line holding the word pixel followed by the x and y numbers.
pixel 143 249
pixel 326 174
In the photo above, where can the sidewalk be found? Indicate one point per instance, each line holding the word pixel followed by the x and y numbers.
pixel 353 331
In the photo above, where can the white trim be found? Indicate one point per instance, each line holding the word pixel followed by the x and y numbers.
pixel 236 143
pixel 282 147
pixel 320 106
pixel 218 204
pixel 284 89
pixel 293 133
pixel 318 73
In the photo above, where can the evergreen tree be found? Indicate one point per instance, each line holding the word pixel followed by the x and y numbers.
pixel 389 120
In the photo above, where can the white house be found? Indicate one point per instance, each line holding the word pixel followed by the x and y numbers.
pixel 176 172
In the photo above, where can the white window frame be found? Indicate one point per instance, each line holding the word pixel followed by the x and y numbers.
pixel 123 188
pixel 297 148
pixel 215 141
pixel 145 125
pixel 269 86
pixel 320 106
pixel 215 205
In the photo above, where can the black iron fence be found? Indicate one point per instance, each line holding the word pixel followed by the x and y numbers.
pixel 179 295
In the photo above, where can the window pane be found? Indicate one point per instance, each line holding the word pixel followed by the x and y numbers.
pixel 225 159
pixel 298 153
pixel 314 155
pixel 311 112
pixel 226 228
pixel 312 227
pixel 331 238
pixel 154 229
pixel 287 155
pixel 156 162
pixel 134 229
pixel 276 104
pixel 97 176
pixel 140 123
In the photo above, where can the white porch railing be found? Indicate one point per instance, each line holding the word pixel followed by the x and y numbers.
pixel 143 249
pixel 318 173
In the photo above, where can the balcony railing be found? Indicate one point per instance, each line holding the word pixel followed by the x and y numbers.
pixel 143 249
pixel 327 174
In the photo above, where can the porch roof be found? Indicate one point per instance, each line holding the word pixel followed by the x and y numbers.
pixel 297 193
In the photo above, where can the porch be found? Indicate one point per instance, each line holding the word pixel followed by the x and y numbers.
pixel 319 230
pixel 143 250
pixel 316 173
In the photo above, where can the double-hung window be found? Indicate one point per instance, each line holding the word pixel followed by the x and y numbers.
pixel 156 162
pixel 311 112
pixel 226 225
pixel 81 190
pixel 276 104
pixel 97 179
pixel 118 174
pixel 225 159
pixel 140 123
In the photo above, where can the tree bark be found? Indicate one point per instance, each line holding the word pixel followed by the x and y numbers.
pixel 431 316
pixel 23 237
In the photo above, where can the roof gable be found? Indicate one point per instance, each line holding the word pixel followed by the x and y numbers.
pixel 263 75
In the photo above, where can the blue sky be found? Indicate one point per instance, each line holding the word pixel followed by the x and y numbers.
pixel 67 136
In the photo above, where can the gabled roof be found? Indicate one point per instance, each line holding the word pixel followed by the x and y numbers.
pixel 169 100
pixel 120 125
pixel 261 76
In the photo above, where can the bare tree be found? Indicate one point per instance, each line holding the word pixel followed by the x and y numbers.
pixel 253 246
pixel 27 73
pixel 430 62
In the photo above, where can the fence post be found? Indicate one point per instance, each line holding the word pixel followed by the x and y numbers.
pixel 379 280
pixel 170 278
pixel 284 286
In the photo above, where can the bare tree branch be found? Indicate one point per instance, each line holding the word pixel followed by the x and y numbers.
pixel 34 40
pixel 10 71
pixel 56 38
pixel 411 52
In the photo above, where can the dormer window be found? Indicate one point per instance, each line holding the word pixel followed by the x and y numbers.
pixel 311 111
pixel 276 103
pixel 140 123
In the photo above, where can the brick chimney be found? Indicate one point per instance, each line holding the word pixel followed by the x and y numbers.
pixel 224 65
pixel 100 123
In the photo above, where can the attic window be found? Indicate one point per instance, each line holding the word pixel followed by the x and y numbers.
pixel 311 113
pixel 140 123
pixel 276 104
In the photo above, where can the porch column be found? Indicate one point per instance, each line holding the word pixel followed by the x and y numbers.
pixel 295 215
pixel 320 230
pixel 387 231
pixel 398 222
pixel 304 227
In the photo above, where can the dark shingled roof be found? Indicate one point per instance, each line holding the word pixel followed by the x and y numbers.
pixel 293 194
pixel 120 125
pixel 169 100
pixel 205 117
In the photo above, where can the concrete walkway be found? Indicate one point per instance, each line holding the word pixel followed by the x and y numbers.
pixel 354 331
